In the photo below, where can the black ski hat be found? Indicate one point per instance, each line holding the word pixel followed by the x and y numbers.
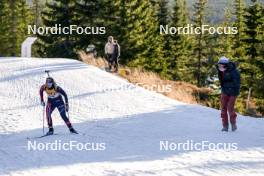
pixel 50 79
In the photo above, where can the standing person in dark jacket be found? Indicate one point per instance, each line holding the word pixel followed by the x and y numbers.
pixel 55 100
pixel 115 56
pixel 112 51
pixel 229 78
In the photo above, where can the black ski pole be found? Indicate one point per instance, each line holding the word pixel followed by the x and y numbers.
pixel 43 119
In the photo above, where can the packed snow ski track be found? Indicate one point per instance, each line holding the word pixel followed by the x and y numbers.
pixel 129 121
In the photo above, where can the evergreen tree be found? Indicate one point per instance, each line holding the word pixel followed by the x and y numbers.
pixel 13 28
pixel 163 16
pixel 200 41
pixel 14 20
pixel 36 10
pixel 238 48
pixel 24 18
pixel 4 27
pixel 253 21
pixel 152 55
pixel 239 9
pixel 225 41
pixel 163 12
pixel 140 42
pixel 253 67
pixel 180 45
pixel 96 13
pixel 63 14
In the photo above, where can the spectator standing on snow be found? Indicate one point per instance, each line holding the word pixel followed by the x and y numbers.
pixel 229 78
pixel 115 56
pixel 109 48
pixel 112 52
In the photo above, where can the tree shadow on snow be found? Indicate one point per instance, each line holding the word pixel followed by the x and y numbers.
pixel 127 139
pixel 33 71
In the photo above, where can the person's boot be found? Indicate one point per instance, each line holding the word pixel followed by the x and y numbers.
pixel 234 127
pixel 51 131
pixel 116 69
pixel 225 128
pixel 72 130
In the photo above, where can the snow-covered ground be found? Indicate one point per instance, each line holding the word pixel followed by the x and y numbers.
pixel 131 124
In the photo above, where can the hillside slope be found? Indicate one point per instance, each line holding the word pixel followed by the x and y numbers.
pixel 129 120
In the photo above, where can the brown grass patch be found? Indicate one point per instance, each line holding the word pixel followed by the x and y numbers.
pixel 180 91
pixel 89 59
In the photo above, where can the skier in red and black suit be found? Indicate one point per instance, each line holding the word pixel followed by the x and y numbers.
pixel 55 100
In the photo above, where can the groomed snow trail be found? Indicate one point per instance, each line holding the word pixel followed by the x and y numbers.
pixel 129 120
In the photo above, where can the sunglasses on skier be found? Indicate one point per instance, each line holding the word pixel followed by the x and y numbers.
pixel 49 81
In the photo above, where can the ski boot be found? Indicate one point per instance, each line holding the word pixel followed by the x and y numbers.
pixel 72 130
pixel 50 132
pixel 234 127
pixel 225 128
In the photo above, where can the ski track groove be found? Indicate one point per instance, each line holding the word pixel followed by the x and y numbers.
pixel 129 121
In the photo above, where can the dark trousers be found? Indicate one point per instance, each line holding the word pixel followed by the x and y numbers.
pixel 59 104
pixel 108 57
pixel 113 62
pixel 228 107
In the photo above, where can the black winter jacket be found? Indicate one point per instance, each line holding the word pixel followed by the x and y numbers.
pixel 230 80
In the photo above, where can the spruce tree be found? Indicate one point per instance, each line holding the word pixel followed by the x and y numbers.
pixel 4 27
pixel 163 18
pixel 141 44
pixel 163 12
pixel 13 29
pixel 146 37
pixel 14 20
pixel 200 41
pixel 225 41
pixel 24 18
pixel 180 45
pixel 63 14
pixel 36 10
pixel 96 13
pixel 238 47
pixel 163 15
pixel 252 68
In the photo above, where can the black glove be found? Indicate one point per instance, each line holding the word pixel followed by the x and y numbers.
pixel 42 103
